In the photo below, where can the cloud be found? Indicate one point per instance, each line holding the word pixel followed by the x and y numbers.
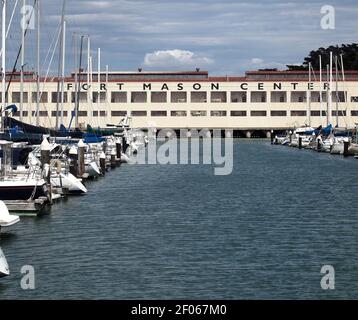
pixel 175 58
pixel 257 61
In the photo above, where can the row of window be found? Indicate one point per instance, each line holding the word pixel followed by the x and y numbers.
pixel 197 113
pixel 182 97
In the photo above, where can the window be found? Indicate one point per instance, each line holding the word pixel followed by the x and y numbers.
pixel 315 113
pixel 82 113
pixel 119 97
pixel 139 97
pixel 298 113
pixel 54 97
pixel 158 97
pixel 198 97
pixel 119 113
pixel 238 113
pixel 278 97
pixel 354 99
pixel 43 97
pixel 178 97
pixel 218 113
pixel 354 113
pixel 158 113
pixel 198 113
pixel 139 113
pixel 258 113
pixel 258 96
pixel 218 96
pixel 102 95
pixel 41 113
pixel 16 97
pixel 178 113
pixel 341 96
pixel 341 113
pixel 239 96
pixel 298 97
pixel 276 113
pixel 24 113
pixel 82 96
pixel 315 96
pixel 53 113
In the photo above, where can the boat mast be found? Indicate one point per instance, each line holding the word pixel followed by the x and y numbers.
pixel 78 93
pixel 88 73
pixel 99 83
pixel 327 94
pixel 309 93
pixel 38 67
pixel 24 28
pixel 320 89
pixel 330 86
pixel 3 64
pixel 61 65
pixel 63 69
pixel 337 96
pixel 344 81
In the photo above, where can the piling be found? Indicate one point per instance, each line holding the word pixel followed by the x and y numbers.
pixel 113 159
pixel 346 148
pixel 102 163
pixel 45 152
pixel 72 153
pixel 81 158
pixel 118 149
pixel 290 134
pixel 319 145
pixel 272 137
pixel 300 143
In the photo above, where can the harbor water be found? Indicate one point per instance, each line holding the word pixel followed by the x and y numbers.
pixel 180 232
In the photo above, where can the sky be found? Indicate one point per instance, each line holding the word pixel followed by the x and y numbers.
pixel 226 37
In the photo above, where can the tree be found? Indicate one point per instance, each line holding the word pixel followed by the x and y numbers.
pixel 349 51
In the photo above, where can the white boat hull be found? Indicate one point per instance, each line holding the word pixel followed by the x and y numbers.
pixel 4 267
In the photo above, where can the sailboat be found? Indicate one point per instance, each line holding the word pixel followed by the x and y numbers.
pixel 6 219
pixel 4 267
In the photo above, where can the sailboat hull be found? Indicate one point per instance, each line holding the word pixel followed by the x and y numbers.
pixel 4 267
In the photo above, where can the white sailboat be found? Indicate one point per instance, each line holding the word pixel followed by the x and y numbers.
pixel 6 219
pixel 4 267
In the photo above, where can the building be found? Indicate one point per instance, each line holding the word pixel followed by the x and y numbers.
pixel 260 100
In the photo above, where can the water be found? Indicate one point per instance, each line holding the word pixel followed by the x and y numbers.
pixel 173 232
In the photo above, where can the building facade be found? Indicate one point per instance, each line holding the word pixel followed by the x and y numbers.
pixel 261 100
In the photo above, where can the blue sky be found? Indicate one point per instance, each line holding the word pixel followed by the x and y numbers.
pixel 225 37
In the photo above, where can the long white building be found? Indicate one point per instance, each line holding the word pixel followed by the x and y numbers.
pixel 260 100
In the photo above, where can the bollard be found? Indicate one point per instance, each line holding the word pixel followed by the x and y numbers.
pixel 102 163
pixel 300 143
pixel 319 145
pixel 346 148
pixel 272 137
pixel 45 152
pixel 113 159
pixel 290 133
pixel 72 154
pixel 118 149
pixel 81 158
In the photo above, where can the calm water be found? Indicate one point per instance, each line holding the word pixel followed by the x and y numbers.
pixel 180 232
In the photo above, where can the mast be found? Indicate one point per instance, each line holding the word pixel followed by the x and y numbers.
pixel 107 96
pixel 63 69
pixel 327 94
pixel 337 96
pixel 78 93
pixel 61 63
pixel 3 64
pixel 99 82
pixel 320 89
pixel 24 28
pixel 330 86
pixel 38 67
pixel 88 74
pixel 344 82
pixel 309 94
